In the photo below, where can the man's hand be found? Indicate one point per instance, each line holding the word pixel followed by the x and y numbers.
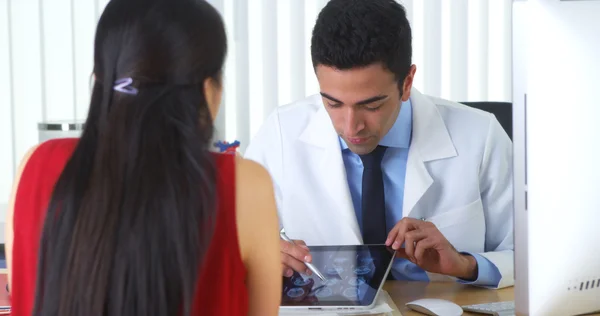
pixel 426 247
pixel 293 257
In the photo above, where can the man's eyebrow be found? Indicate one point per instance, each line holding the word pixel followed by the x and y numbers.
pixel 327 96
pixel 363 102
pixel 371 100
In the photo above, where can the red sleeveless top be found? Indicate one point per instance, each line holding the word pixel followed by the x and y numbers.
pixel 221 285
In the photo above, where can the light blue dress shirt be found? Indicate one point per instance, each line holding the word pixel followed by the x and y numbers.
pixel 394 172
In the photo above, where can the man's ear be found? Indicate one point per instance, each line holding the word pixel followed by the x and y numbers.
pixel 408 82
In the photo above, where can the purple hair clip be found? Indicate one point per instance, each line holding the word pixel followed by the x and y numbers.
pixel 124 85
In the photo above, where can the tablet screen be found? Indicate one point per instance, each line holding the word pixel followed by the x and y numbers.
pixel 354 275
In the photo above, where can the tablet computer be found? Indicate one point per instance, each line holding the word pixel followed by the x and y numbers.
pixel 354 276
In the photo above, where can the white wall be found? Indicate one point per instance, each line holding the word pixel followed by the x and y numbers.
pixel 45 65
pixel 461 47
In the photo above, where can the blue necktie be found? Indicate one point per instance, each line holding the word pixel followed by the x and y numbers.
pixel 373 198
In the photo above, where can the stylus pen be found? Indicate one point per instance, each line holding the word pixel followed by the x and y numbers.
pixel 309 265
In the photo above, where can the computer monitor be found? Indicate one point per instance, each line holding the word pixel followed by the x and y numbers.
pixel 556 137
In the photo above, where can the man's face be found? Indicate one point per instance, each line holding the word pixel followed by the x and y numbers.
pixel 363 103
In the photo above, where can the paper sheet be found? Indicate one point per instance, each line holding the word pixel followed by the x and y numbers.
pixel 384 307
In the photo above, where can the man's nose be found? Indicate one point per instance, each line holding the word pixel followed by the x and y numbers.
pixel 354 122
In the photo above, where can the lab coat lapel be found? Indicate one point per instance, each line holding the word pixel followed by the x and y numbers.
pixel 430 141
pixel 322 140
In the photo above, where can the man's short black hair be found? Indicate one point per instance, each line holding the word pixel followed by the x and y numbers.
pixel 358 33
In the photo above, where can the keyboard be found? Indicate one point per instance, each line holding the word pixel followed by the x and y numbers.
pixel 497 308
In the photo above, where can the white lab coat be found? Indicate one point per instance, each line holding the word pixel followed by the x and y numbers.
pixel 459 176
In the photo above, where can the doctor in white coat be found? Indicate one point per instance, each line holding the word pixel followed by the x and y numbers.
pixel 441 190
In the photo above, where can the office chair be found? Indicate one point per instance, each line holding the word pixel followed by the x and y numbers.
pixel 502 111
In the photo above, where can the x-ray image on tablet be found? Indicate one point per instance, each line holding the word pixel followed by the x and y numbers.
pixel 354 276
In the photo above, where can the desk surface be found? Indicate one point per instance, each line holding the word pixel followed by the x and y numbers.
pixel 403 292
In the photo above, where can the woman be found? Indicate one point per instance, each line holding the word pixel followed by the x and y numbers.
pixel 137 217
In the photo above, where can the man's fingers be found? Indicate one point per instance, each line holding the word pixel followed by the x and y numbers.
pixel 391 236
pixel 410 238
pixel 299 252
pixel 301 244
pixel 402 228
pixel 294 263
pixel 396 237
pixel 421 247
pixel 293 257
pixel 398 242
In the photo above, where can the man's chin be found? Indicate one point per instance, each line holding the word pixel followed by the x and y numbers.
pixel 362 149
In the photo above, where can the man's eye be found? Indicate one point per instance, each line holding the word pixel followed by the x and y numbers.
pixel 334 105
pixel 374 107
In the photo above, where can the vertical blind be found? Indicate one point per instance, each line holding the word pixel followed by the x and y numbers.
pixel 461 49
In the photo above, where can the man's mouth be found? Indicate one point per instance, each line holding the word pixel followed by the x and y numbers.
pixel 358 140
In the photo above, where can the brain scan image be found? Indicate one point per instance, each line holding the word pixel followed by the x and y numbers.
pixel 330 282
pixel 365 261
pixel 323 292
pixel 341 262
pixel 333 270
pixel 351 293
pixel 299 281
pixel 295 292
pixel 362 270
pixel 352 277
pixel 356 281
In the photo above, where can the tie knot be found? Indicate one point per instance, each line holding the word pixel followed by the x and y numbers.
pixel 374 158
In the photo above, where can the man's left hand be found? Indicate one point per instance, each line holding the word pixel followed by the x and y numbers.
pixel 426 247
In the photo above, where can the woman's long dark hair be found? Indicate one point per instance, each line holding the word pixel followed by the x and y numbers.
pixel 132 214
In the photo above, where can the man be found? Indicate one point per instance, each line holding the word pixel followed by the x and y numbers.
pixel 371 160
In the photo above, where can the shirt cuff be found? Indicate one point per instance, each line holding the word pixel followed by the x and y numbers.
pixel 488 274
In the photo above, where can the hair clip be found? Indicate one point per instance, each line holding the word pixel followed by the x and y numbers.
pixel 227 147
pixel 124 85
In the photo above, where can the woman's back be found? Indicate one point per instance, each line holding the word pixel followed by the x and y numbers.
pixel 221 286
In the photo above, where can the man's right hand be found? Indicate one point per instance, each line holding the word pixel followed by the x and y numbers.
pixel 293 257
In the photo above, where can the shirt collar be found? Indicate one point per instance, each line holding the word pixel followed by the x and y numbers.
pixel 399 135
